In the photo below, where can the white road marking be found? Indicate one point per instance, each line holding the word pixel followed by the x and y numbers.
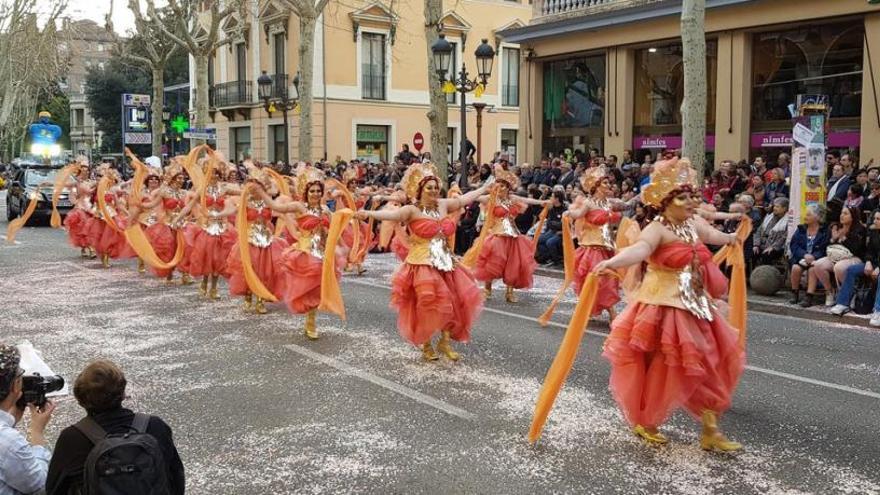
pixel 757 369
pixel 382 382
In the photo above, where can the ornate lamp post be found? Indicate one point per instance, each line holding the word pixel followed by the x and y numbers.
pixel 276 95
pixel 485 55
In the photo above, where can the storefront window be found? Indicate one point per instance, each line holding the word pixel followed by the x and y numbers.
pixel 659 88
pixel 574 103
pixel 508 144
pixel 812 60
pixel 372 143
pixel 241 143
pixel 276 149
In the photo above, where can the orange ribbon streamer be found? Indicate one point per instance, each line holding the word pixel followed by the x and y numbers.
pixel 541 219
pixel 331 295
pixel 60 182
pixel 139 242
pixel 564 359
pixel 736 297
pixel 627 234
pixel 254 283
pixel 140 174
pixel 568 257
pixel 16 225
pixel 470 257
pixel 351 204
pixel 103 185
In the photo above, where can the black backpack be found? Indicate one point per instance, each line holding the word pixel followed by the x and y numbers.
pixel 130 463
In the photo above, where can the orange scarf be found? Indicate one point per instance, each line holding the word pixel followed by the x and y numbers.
pixel 733 256
pixel 135 235
pixel 250 276
pixel 60 181
pixel 470 257
pixel 568 257
pixel 15 225
pixel 331 295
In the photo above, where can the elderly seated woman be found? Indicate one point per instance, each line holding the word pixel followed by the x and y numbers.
pixel 769 239
pixel 870 268
pixel 845 248
pixel 807 245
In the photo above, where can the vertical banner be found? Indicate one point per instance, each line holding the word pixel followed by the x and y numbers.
pixel 808 172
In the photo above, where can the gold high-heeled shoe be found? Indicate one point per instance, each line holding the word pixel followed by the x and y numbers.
pixel 445 347
pixel 259 307
pixel 428 353
pixel 510 296
pixel 712 439
pixel 105 260
pixel 487 290
pixel 650 437
pixel 185 279
pixel 142 269
pixel 248 302
pixel 83 253
pixel 203 287
pixel 310 330
pixel 213 293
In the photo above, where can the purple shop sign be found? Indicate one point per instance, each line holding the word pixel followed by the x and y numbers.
pixel 784 140
pixel 666 142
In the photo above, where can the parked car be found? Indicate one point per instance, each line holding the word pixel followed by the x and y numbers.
pixel 28 182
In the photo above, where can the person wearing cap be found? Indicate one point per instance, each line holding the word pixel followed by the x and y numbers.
pixel 23 464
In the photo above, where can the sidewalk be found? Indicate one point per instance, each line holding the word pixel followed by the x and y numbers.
pixel 777 305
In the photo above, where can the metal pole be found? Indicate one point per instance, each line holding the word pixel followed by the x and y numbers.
pixel 462 153
pixel 286 144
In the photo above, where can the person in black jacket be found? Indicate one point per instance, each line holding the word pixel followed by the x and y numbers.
pixel 550 242
pixel 100 389
pixel 870 268
pixel 846 248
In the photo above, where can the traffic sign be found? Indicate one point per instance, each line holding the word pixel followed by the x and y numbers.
pixel 135 100
pixel 196 133
pixel 418 141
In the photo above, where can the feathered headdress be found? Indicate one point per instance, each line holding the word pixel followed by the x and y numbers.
pixel 305 176
pixel 415 177
pixel 506 176
pixel 592 177
pixel 668 176
pixel 174 168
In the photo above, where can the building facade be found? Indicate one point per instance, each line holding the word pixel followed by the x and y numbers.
pixel 87 45
pixel 370 79
pixel 607 74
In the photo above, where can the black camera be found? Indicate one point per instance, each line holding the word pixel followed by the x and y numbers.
pixel 35 387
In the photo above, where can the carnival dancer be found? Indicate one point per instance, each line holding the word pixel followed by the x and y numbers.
pixel 503 252
pixel 149 217
pixel 431 291
pixel 257 254
pixel 359 243
pixel 211 236
pixel 168 200
pixel 105 228
pixel 77 220
pixel 596 241
pixel 303 262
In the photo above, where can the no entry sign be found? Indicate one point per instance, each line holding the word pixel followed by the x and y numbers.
pixel 418 141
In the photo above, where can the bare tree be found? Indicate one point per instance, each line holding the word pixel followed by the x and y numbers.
pixel 693 107
pixel 308 12
pixel 150 48
pixel 438 114
pixel 30 63
pixel 195 27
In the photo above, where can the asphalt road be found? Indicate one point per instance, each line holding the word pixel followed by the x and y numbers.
pixel 256 408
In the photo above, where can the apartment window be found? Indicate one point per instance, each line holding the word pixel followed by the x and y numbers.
pixel 510 78
pixel 280 63
pixel 276 148
pixel 450 73
pixel 241 142
pixel 373 66
pixel 508 144
pixel 241 62
pixel 451 145
pixel 80 117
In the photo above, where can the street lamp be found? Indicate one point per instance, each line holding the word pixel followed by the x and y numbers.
pixel 485 55
pixel 287 99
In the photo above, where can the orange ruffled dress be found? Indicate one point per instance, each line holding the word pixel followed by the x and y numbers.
pixel 664 355
pixel 431 291
pixel 103 238
pixel 266 254
pixel 76 222
pixel 303 262
pixel 595 245
pixel 209 244
pixel 506 254
pixel 162 236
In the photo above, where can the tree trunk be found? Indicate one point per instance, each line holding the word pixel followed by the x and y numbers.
pixel 201 95
pixel 157 103
pixel 306 79
pixel 693 107
pixel 438 114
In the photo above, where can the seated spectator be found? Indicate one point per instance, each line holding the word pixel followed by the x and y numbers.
pixel 854 197
pixel 23 465
pixel 846 246
pixel 769 238
pixel 550 242
pixel 776 188
pixel 807 245
pixel 100 390
pixel 870 268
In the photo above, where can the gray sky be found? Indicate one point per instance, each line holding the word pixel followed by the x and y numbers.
pixel 123 20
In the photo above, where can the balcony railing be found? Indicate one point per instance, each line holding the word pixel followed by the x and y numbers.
pixel 551 10
pixel 231 94
pixel 280 84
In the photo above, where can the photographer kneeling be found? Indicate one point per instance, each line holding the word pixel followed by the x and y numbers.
pixel 23 465
pixel 129 452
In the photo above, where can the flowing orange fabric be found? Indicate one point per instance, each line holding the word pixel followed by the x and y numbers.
pixel 103 185
pixel 368 241
pixel 541 219
pixel 250 276
pixel 140 174
pixel 331 295
pixel 194 172
pixel 16 225
pixel 627 234
pixel 351 204
pixel 568 257
pixel 470 257
pixel 564 359
pixel 454 192
pixel 284 187
pixel 60 181
pixel 736 297
pixel 139 242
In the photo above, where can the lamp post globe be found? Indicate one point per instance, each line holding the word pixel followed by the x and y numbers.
pixel 485 55
pixel 442 51
pixel 264 83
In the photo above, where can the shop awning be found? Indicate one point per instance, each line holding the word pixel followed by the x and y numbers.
pixel 606 19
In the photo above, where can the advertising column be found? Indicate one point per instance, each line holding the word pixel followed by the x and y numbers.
pixel 807 158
